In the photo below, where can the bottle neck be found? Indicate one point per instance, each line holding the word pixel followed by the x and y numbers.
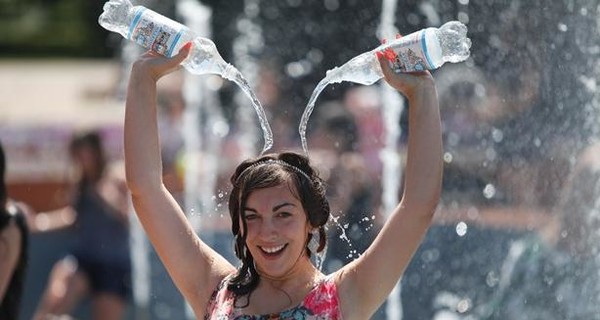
pixel 228 71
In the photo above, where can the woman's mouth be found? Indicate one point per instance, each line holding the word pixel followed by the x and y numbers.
pixel 272 251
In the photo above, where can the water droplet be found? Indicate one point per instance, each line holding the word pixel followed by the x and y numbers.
pixel 220 129
pixel 480 90
pixel 489 191
pixel 315 55
pixel 564 234
pixel 562 27
pixel 490 154
pixel 492 279
pixel 297 69
pixel 461 228
pixel 343 236
pixel 463 305
pixel 497 135
pixel 447 157
pixel 463 17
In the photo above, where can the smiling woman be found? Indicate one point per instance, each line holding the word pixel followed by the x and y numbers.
pixel 278 210
pixel 274 198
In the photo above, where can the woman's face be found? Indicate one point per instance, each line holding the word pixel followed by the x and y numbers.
pixel 277 230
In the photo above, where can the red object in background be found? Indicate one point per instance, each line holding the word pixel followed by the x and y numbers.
pixel 41 196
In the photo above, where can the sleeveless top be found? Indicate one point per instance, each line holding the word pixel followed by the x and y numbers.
pixel 10 305
pixel 321 303
pixel 99 235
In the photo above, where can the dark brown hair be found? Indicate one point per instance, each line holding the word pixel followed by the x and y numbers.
pixel 259 173
pixel 91 140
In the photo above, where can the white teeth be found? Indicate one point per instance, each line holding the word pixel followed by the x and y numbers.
pixel 273 249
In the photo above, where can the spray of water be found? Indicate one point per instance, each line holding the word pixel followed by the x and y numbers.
pixel 238 79
pixel 392 107
pixel 308 111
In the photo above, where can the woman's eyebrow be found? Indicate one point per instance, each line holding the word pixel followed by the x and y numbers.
pixel 277 207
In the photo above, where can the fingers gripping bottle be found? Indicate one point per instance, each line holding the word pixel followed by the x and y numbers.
pixel 163 35
pixel 426 49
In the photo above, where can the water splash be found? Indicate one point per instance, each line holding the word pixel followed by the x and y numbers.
pixel 392 107
pixel 344 236
pixel 246 46
pixel 308 111
pixel 236 77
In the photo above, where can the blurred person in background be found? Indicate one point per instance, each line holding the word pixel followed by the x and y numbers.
pixel 13 249
pixel 554 274
pixel 98 265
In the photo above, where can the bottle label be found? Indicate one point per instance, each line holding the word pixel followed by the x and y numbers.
pixel 409 53
pixel 155 32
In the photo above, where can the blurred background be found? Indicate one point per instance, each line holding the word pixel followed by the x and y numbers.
pixel 517 227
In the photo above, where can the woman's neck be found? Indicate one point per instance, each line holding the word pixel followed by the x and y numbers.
pixel 276 295
pixel 302 274
pixel 302 270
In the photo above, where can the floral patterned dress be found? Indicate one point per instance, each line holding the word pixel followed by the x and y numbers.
pixel 321 303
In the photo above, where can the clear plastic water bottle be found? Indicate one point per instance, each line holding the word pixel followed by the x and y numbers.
pixel 163 35
pixel 426 49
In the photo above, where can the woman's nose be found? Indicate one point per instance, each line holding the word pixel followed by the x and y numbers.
pixel 268 230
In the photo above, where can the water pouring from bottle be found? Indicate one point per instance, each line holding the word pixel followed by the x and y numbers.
pixel 165 36
pixel 426 49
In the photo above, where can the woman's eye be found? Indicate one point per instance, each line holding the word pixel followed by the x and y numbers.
pixel 284 214
pixel 250 217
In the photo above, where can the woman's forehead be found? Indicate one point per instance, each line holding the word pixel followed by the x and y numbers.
pixel 279 193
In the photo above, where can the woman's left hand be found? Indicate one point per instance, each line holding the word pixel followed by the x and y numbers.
pixel 408 83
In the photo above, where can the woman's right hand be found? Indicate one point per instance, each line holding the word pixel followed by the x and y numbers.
pixel 155 65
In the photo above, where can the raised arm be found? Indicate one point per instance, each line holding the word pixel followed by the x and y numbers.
pixel 194 267
pixel 366 282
